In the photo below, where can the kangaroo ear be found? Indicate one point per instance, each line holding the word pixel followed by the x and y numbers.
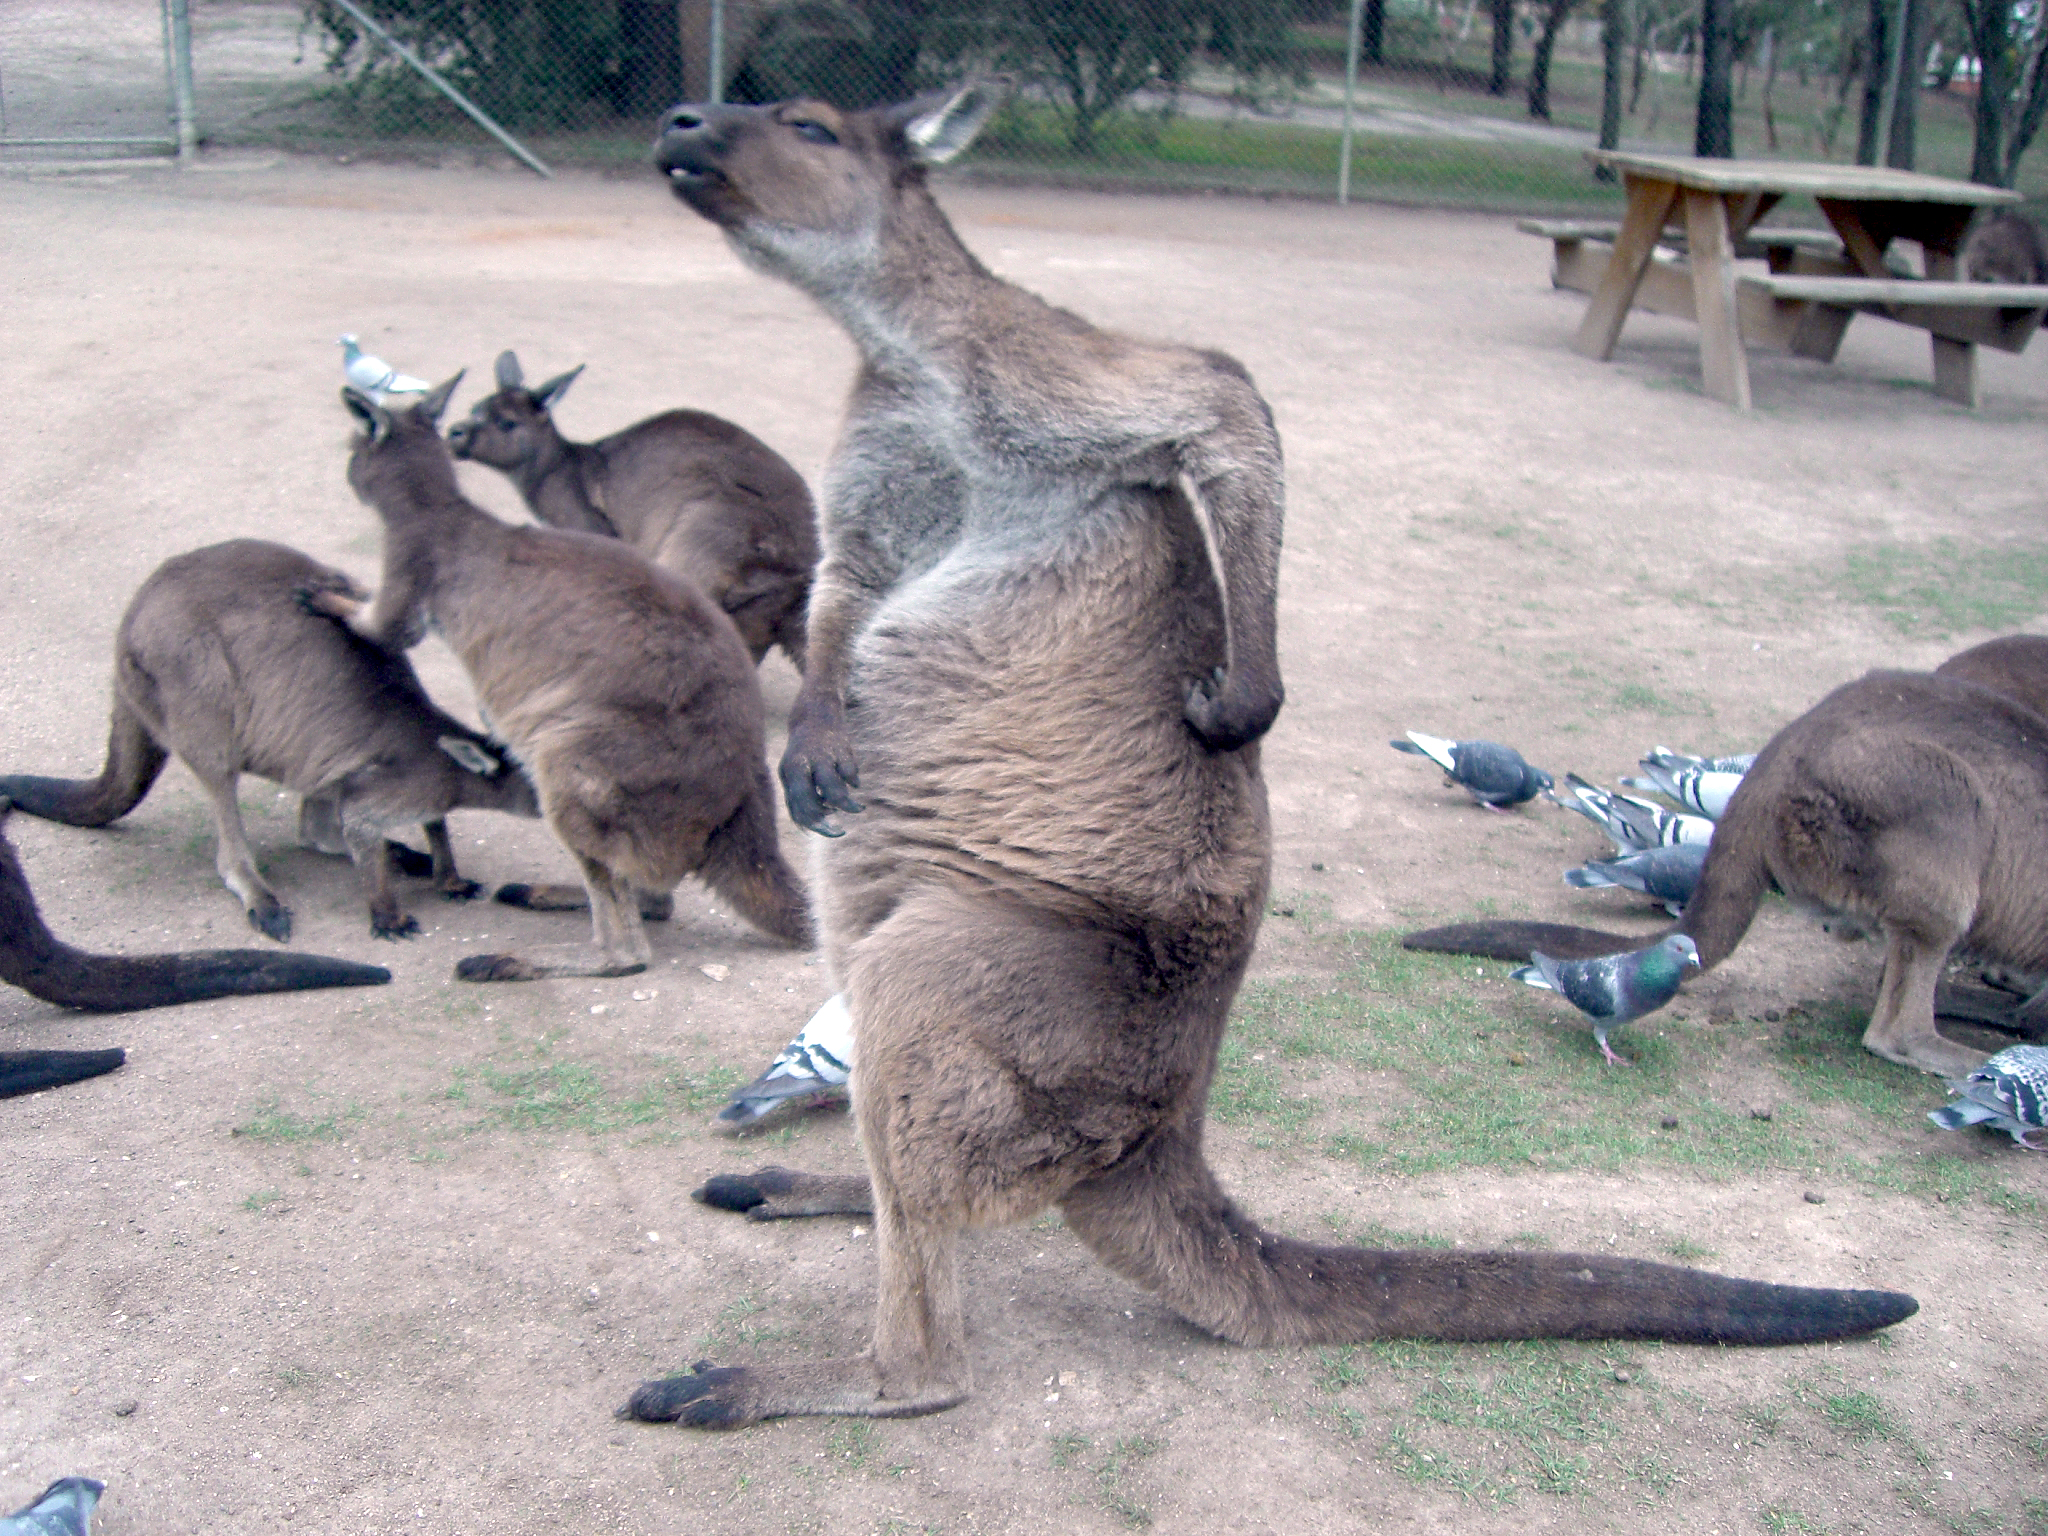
pixel 471 756
pixel 939 128
pixel 555 388
pixel 430 409
pixel 508 371
pixel 375 420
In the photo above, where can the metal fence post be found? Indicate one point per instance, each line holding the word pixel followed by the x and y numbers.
pixel 178 15
pixel 1350 90
pixel 717 50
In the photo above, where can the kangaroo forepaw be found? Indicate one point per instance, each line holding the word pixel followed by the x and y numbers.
pixel 272 919
pixel 819 773
pixel 705 1398
pixel 1227 716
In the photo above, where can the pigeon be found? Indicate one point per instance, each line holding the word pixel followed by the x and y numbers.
pixel 1494 775
pixel 1688 781
pixel 62 1509
pixel 812 1069
pixel 1614 989
pixel 1741 763
pixel 1663 874
pixel 1635 825
pixel 2008 1093
pixel 375 377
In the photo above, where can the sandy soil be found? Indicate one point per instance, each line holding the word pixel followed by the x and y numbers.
pixel 386 1260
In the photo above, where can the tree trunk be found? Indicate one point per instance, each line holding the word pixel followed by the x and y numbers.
pixel 1503 47
pixel 1372 32
pixel 1539 63
pixel 1904 147
pixel 1611 48
pixel 1877 61
pixel 1713 126
pixel 1770 84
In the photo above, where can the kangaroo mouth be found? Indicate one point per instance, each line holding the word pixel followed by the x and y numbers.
pixel 692 178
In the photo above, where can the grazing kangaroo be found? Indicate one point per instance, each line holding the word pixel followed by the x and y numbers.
pixel 217 662
pixel 624 692
pixel 692 492
pixel 1908 803
pixel 44 966
pixel 1042 647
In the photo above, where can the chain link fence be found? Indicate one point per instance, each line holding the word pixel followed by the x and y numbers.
pixel 1478 103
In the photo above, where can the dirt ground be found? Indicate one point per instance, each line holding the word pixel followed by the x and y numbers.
pixel 386 1260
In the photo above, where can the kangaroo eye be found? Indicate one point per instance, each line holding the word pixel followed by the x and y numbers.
pixel 817 133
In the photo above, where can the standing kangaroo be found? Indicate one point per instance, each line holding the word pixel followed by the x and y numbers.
pixel 216 662
pixel 1909 803
pixel 1042 648
pixel 624 692
pixel 692 492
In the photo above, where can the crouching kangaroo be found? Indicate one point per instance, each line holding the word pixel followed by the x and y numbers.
pixel 217 662
pixel 692 492
pixel 44 966
pixel 1042 650
pixel 624 692
pixel 1908 803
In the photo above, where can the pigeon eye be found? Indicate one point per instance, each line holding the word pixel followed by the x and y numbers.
pixel 817 133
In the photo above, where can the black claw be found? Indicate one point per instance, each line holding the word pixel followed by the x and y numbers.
pixel 462 890
pixel 516 894
pixel 686 1398
pixel 743 1191
pixel 273 922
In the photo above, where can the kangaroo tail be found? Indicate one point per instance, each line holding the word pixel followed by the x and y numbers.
pixel 37 961
pixel 1159 1219
pixel 744 864
pixel 134 759
pixel 1732 884
pixel 30 1071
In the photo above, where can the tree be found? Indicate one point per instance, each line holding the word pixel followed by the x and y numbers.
pixel 1554 14
pixel 1612 46
pixel 1503 47
pixel 1714 128
pixel 2012 93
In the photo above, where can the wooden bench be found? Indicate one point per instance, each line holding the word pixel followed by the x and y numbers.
pixel 1776 246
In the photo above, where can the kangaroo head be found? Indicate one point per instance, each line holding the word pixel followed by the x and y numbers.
pixel 389 435
pixel 803 188
pixel 491 781
pixel 511 429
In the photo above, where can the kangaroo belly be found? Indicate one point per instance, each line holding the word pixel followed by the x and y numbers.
pixel 1019 723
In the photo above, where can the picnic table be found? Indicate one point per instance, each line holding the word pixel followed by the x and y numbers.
pixel 1816 281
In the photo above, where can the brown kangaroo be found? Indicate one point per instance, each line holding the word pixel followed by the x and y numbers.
pixel 621 688
pixel 1042 647
pixel 692 492
pixel 216 662
pixel 1910 803
pixel 44 966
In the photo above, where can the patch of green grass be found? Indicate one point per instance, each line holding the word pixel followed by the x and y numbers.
pixel 1068 1449
pixel 1861 1417
pixel 270 1122
pixel 569 1095
pixel 1112 1474
pixel 732 1327
pixel 1938 588
pixel 262 1199
pixel 1514 1081
pixel 291 1377
pixel 1781 1522
pixel 852 1442
pixel 1639 698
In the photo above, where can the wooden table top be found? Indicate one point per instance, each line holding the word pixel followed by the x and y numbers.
pixel 1857 183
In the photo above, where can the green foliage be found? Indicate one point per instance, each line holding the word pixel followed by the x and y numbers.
pixel 271 1122
pixel 569 1095
pixel 1936 589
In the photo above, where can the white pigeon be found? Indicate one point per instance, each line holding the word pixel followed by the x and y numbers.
pixel 1688 781
pixel 1635 825
pixel 812 1069
pixel 375 377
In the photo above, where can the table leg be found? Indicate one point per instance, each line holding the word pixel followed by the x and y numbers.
pixel 1710 250
pixel 1649 205
pixel 1955 362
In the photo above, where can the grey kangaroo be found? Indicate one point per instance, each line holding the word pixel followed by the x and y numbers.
pixel 1042 651
pixel 1908 803
pixel 691 491
pixel 44 966
pixel 217 663
pixel 624 691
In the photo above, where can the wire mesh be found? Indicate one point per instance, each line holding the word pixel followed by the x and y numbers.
pixel 1479 103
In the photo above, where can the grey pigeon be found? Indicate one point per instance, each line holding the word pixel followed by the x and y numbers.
pixel 812 1069
pixel 375 377
pixel 1689 781
pixel 2008 1093
pixel 62 1509
pixel 1663 874
pixel 1635 825
pixel 1495 776
pixel 1613 989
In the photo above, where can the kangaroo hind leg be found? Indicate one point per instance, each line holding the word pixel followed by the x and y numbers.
pixel 237 865
pixel 618 944
pixel 743 862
